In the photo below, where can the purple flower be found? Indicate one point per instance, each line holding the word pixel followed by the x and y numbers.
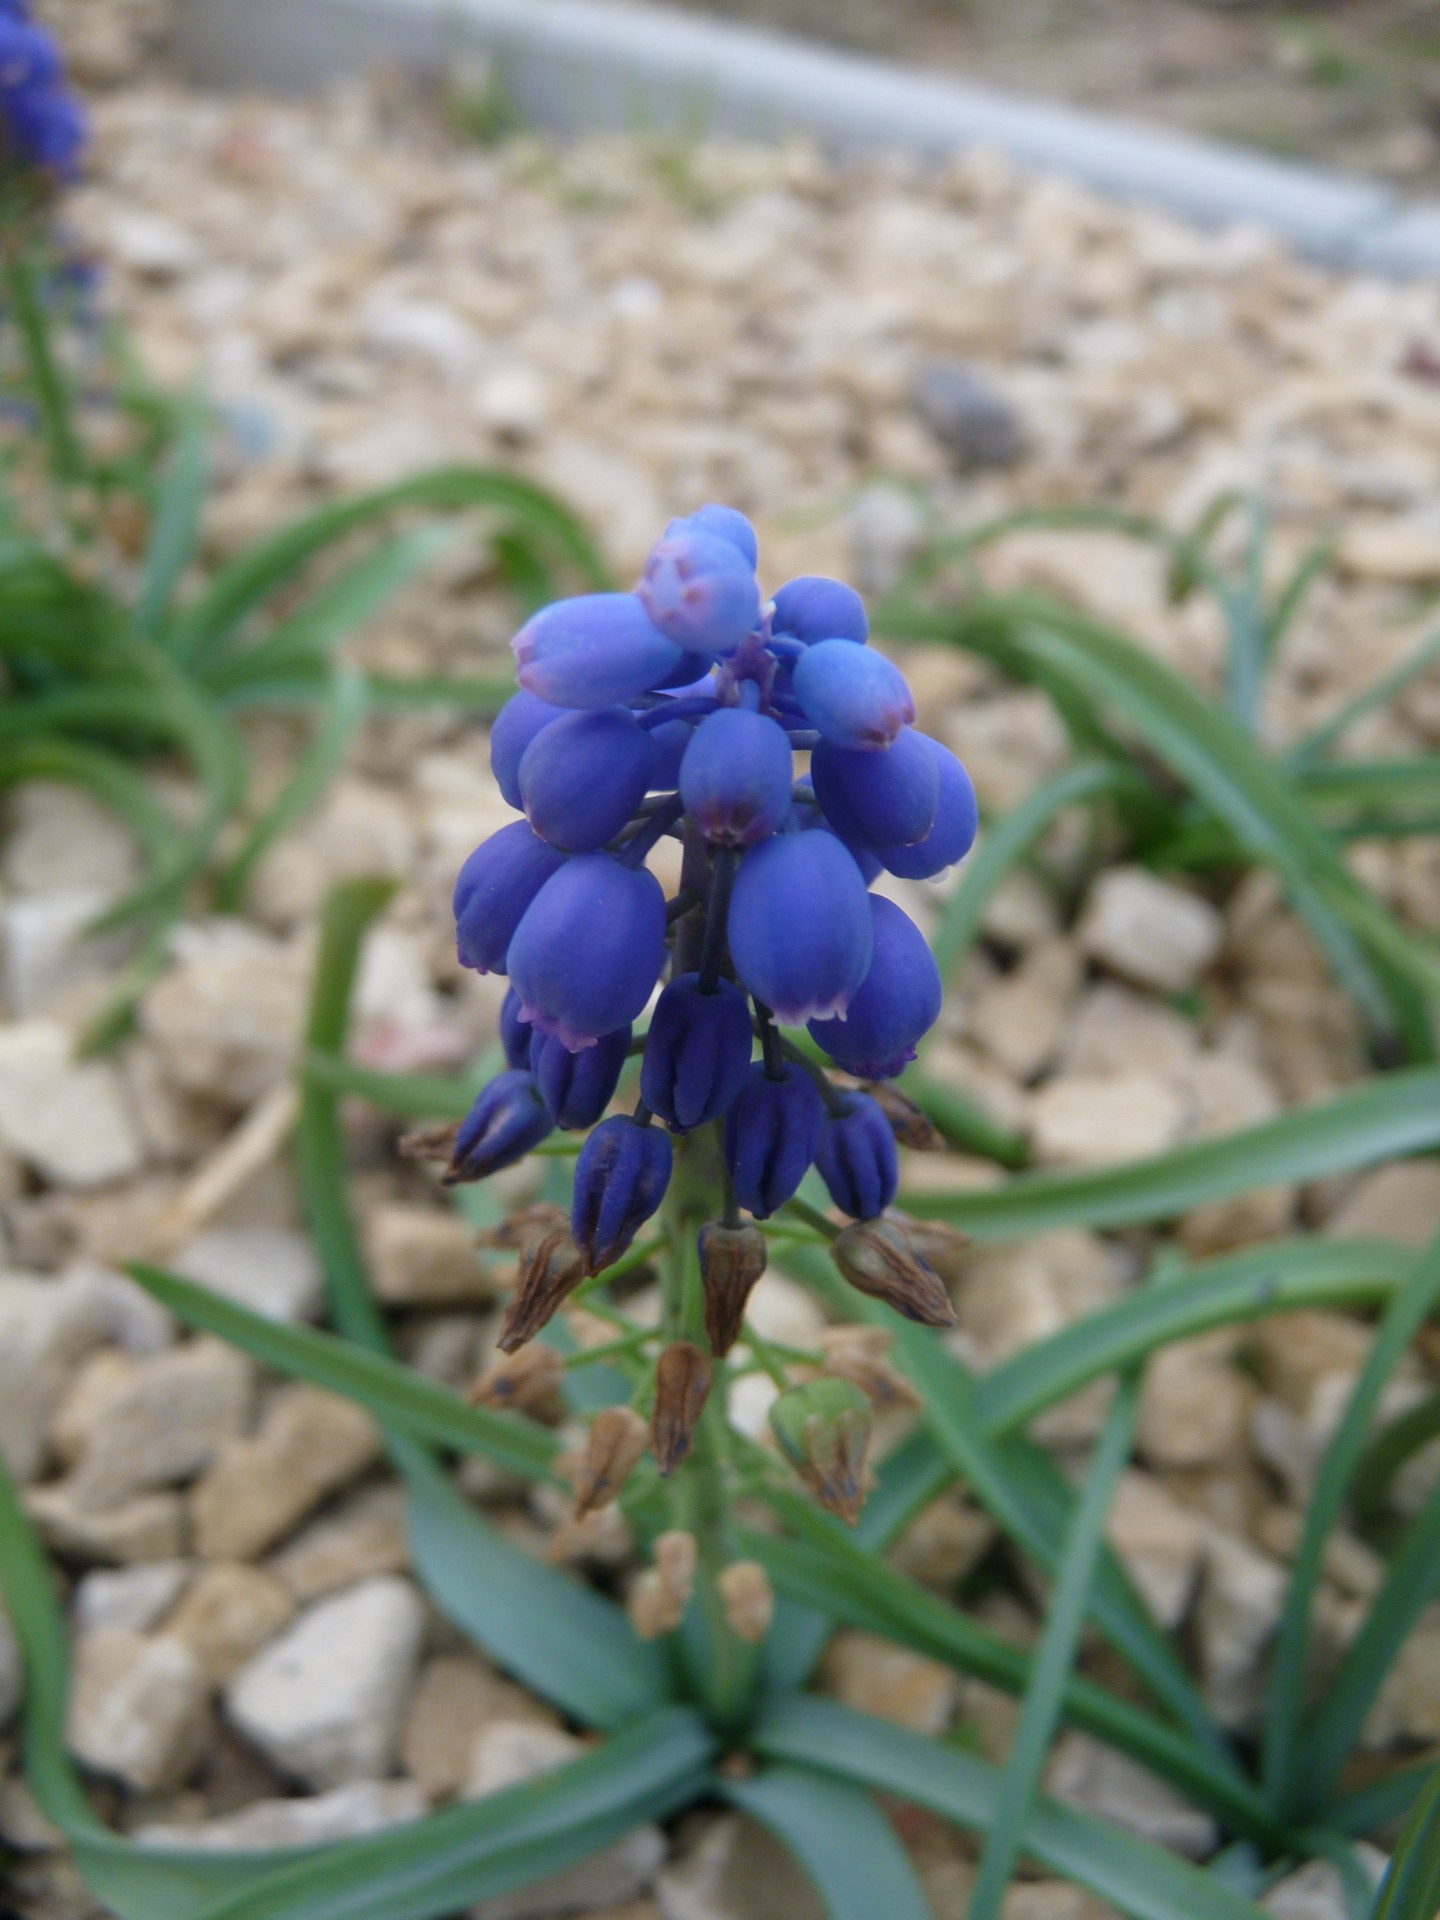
pixel 852 695
pixel 884 799
pixel 857 1158
pixel 583 776
pixel 772 1134
pixel 699 590
pixel 697 1052
pixel 592 651
pixel 956 820
pixel 726 523
pixel 495 887
pixel 516 1033
pixel 620 1179
pixel 735 778
pixel 578 1087
pixel 672 739
pixel 589 949
pixel 515 726
pixel 813 608
pixel 894 1009
pixel 506 1121
pixel 799 925
pixel 42 123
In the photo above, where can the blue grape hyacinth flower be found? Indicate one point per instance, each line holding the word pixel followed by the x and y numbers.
pixel 43 127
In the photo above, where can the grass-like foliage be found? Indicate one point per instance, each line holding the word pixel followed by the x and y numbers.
pixel 169 651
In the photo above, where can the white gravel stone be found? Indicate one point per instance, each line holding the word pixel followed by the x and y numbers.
pixel 1112 1786
pixel 1149 931
pixel 325 1701
pixel 269 1270
pixel 1080 1122
pixel 46 1329
pixel 136 1598
pixel 139 1708
pixel 67 1119
pixel 226 1018
pixel 163 1422
pixel 362 1806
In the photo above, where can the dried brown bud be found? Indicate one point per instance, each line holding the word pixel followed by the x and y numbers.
pixel 524 1381
pixel 748 1599
pixel 824 1429
pixel 616 1440
pixel 649 1607
pixel 521 1226
pixel 682 1380
pixel 429 1143
pixel 732 1259
pixel 551 1267
pixel 676 1558
pixel 857 1354
pixel 876 1257
pixel 910 1126
pixel 944 1246
pixel 659 1597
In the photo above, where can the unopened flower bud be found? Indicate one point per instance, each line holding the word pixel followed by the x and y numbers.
pixel 910 1126
pixel 895 1006
pixel 732 1259
pixel 617 1438
pixel 525 1380
pixel 682 1380
pixel 506 1121
pixel 824 1429
pixel 772 1133
pixel 857 1354
pixel 748 1600
pixel 551 1267
pixel 856 1158
pixel 620 1179
pixel 877 1259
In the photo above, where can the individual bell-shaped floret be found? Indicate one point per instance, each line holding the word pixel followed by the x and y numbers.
pixel 894 1009
pixel 726 523
pixel 857 1158
pixel 583 777
pixel 578 1087
pixel 824 1428
pixel 699 590
pixel 672 741
pixel 813 608
pixel 852 695
pixel 732 1260
pixel 884 799
pixel 620 1179
pixel 799 926
pixel 515 726
pixel 735 778
pixel 588 952
pixel 592 651
pixel 506 1121
pixel 516 1032
pixel 772 1133
pixel 697 1052
pixel 956 820
pixel 495 888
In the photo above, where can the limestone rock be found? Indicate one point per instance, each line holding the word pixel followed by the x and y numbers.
pixel 163 1422
pixel 324 1702
pixel 268 1269
pixel 1399 1202
pixel 1316 1891
pixel 61 839
pixel 1149 931
pixel 730 1868
pixel 1076 1121
pixel 1408 1703
pixel 421 1256
pixel 139 1708
pixel 455 1698
pixel 1161 1544
pixel 49 960
pixel 1239 1608
pixel 46 1328
pixel 889 1681
pixel 228 1613
pixel 1127 1795
pixel 1019 1019
pixel 66 1118
pixel 149 1528
pixel 1194 1408
pixel 137 1598
pixel 226 1018
pixel 1115 1030
pixel 362 1806
pixel 309 1444
pixel 364 1535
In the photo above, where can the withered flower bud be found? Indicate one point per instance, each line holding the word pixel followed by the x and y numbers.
pixel 682 1380
pixel 652 1613
pixel 616 1440
pixel 524 1381
pixel 732 1259
pixel 876 1257
pixel 658 1599
pixel 911 1127
pixel 429 1143
pixel 551 1267
pixel 748 1600
pixel 824 1430
pixel 519 1228
pixel 857 1354
pixel 676 1558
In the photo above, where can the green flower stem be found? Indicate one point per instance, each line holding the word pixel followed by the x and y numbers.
pixel 52 397
pixel 722 1668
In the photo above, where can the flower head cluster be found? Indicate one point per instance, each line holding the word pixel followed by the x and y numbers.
pixel 42 124
pixel 683 709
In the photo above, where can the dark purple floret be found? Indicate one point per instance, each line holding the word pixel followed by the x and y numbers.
pixel 884 799
pixel 736 775
pixel 506 1121
pixel 516 1033
pixel 593 651
pixel 589 950
pixel 956 819
pixel 620 1179
pixel 495 887
pixel 583 776
pixel 857 1158
pixel 697 1052
pixel 799 925
pixel 894 1009
pixel 772 1133
pixel 578 1087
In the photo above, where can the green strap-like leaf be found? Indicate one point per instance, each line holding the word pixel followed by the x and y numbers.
pixel 175 531
pixel 1142 1880
pixel 840 1838
pixel 1411 1887
pixel 1381 1119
